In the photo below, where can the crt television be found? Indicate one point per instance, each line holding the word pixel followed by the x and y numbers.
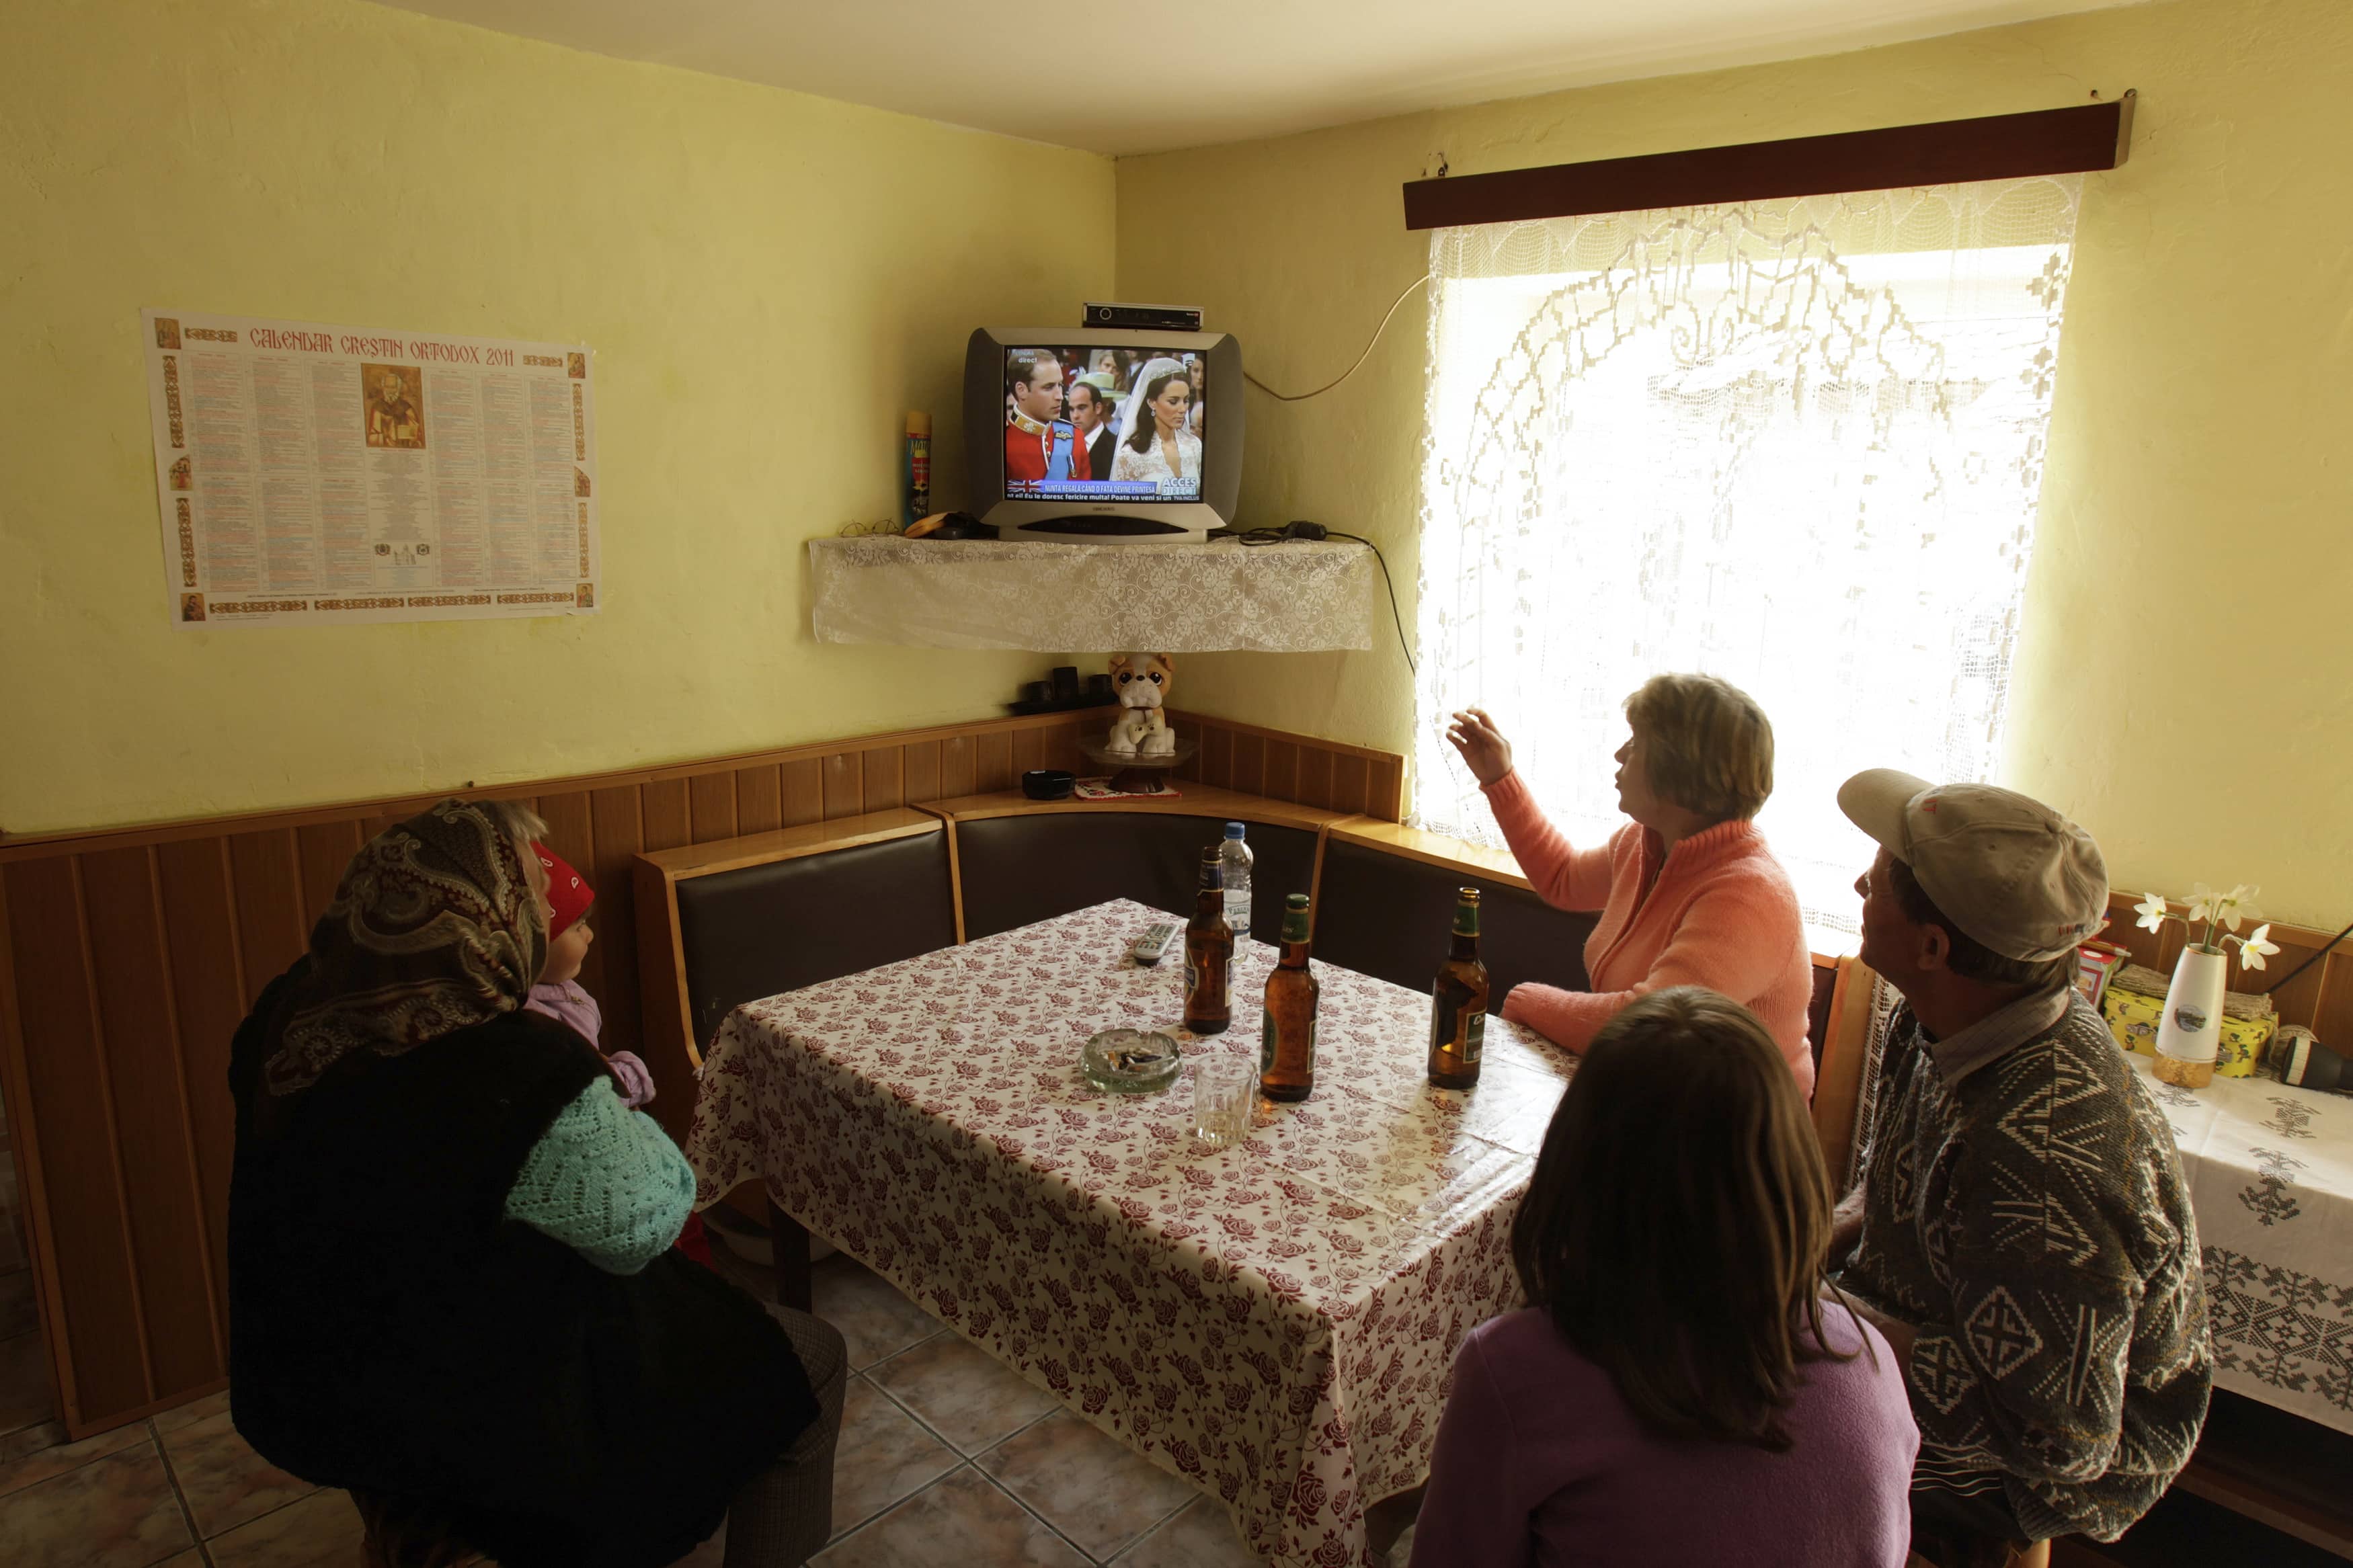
pixel 1094 435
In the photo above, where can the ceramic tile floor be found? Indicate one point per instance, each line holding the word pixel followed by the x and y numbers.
pixel 947 1459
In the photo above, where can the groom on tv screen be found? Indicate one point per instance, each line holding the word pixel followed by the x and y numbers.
pixel 1039 443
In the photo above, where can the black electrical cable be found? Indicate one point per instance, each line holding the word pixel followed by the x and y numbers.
pixel 2308 963
pixel 1310 531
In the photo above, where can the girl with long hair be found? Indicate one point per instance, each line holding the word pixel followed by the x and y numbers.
pixel 1678 1390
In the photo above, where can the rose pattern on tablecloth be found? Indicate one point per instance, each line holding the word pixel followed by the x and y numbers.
pixel 2275 1229
pixel 1276 1322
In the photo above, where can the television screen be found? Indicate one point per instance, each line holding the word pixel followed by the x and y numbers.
pixel 1096 424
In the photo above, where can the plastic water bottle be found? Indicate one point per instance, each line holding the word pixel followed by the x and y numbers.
pixel 1234 860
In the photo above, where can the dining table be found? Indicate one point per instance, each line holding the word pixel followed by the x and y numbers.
pixel 1274 1321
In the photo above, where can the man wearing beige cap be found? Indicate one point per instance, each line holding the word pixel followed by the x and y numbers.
pixel 2022 1236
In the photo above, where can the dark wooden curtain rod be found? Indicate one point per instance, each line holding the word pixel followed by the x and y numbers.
pixel 1996 147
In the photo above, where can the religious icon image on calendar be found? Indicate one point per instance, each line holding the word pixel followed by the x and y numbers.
pixel 577 366
pixel 584 597
pixel 395 402
pixel 183 475
pixel 192 606
pixel 167 336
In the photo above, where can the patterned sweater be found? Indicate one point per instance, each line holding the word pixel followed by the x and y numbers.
pixel 2024 1209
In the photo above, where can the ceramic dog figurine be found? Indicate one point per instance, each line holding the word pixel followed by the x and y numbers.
pixel 1142 680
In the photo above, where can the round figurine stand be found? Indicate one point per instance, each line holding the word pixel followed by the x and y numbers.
pixel 1133 772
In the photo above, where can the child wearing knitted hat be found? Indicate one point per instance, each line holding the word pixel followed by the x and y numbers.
pixel 559 993
pixel 561 996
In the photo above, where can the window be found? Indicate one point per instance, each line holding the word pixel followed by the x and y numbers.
pixel 1794 444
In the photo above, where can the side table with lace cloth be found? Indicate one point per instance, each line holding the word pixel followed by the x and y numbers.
pixel 2270 1171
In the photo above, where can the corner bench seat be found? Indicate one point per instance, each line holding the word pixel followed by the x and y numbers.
pixel 729 922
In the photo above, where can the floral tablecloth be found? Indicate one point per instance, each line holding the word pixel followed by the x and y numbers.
pixel 2271 1180
pixel 1275 1321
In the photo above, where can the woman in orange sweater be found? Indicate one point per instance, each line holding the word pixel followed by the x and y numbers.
pixel 1689 895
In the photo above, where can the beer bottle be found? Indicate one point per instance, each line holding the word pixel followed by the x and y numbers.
pixel 1458 1014
pixel 1286 1055
pixel 1208 953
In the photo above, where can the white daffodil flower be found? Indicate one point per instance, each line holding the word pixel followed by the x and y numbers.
pixel 2234 906
pixel 2152 912
pixel 2255 946
pixel 2202 899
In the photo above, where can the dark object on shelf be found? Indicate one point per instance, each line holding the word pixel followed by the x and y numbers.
pixel 1099 686
pixel 1054 705
pixel 1047 783
pixel 1066 682
pixel 1142 318
pixel 950 525
pixel 1041 692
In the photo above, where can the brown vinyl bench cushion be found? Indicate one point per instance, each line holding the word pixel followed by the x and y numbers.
pixel 1021 869
pixel 1388 916
pixel 761 929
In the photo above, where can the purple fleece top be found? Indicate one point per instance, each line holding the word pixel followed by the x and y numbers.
pixel 1539 1464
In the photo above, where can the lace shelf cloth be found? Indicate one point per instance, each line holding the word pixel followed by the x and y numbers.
pixel 1296 597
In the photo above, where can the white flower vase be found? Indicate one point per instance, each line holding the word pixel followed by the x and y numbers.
pixel 2190 1032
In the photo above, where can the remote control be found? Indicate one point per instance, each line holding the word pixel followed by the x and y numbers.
pixel 1146 948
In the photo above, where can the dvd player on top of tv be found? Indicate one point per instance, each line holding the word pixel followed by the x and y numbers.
pixel 1144 318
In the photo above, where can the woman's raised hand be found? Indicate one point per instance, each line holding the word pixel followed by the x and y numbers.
pixel 1484 751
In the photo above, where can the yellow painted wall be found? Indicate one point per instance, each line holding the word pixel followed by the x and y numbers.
pixel 768 279
pixel 2182 686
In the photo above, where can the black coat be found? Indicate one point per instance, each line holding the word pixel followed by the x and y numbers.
pixel 390 1329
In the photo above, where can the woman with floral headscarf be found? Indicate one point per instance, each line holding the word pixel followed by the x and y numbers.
pixel 452 1284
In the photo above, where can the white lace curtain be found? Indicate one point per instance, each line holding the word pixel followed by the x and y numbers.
pixel 1794 444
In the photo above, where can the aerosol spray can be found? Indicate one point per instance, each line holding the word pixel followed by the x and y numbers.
pixel 919 468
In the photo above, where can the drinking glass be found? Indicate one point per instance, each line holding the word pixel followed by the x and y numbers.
pixel 1223 1086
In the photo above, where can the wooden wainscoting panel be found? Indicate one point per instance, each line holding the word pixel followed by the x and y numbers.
pixel 1315 777
pixel 666 811
pixel 992 763
pixel 1248 764
pixel 883 778
pixel 139 1044
pixel 1063 743
pixel 1351 784
pixel 127 957
pixel 322 850
pixel 270 930
pixel 1280 778
pixel 923 772
pixel 68 1122
pixel 957 754
pixel 759 799
pixel 2331 1015
pixel 845 790
pixel 1386 789
pixel 1215 758
pixel 208 999
pixel 804 780
pixel 711 807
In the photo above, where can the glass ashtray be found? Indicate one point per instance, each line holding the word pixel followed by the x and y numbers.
pixel 1130 1061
